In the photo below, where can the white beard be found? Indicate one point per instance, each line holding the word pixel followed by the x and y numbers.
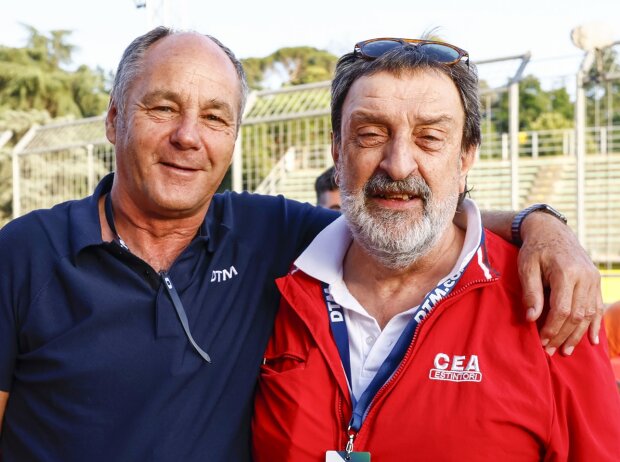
pixel 397 238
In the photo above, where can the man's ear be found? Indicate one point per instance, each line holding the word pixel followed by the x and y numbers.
pixel 467 158
pixel 335 149
pixel 110 122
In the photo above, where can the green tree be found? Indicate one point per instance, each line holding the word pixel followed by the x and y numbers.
pixel 603 95
pixel 290 66
pixel 536 104
pixel 255 69
pixel 32 78
pixel 35 87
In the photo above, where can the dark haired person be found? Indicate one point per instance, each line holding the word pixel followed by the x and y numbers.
pixel 327 191
pixel 401 336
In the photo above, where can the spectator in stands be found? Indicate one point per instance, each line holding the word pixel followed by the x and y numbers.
pixel 327 191
pixel 386 342
pixel 612 327
pixel 133 322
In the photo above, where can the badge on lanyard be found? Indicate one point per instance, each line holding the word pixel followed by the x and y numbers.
pixel 340 456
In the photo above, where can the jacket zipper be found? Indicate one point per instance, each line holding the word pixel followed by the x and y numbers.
pixel 398 371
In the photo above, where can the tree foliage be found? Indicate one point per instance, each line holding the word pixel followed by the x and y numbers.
pixel 32 78
pixel 290 66
pixel 603 95
pixel 537 107
pixel 36 87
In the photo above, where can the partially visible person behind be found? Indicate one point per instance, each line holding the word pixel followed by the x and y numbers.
pixel 400 335
pixel 327 191
pixel 612 327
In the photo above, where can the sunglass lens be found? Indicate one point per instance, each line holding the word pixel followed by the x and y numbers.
pixel 379 47
pixel 439 53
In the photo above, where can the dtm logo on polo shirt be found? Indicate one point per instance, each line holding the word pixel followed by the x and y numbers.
pixel 455 368
pixel 223 275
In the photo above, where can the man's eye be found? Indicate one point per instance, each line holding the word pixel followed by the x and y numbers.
pixel 370 137
pixel 162 109
pixel 430 142
pixel 369 133
pixel 214 119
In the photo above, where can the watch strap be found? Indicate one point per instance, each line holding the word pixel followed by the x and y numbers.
pixel 519 217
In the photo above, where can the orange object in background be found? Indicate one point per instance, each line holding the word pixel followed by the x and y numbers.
pixel 612 328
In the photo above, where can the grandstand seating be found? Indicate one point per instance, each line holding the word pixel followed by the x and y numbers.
pixel 553 180
pixel 546 179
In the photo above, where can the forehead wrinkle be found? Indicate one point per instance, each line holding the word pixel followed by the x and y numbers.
pixel 363 115
pixel 162 93
pixel 366 116
pixel 440 119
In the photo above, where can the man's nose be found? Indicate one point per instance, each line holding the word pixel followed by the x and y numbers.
pixel 399 160
pixel 186 134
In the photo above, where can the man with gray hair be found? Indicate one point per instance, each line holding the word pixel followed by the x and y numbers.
pixel 133 322
pixel 401 336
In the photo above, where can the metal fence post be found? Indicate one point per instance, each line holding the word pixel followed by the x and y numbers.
pixel 603 140
pixel 90 165
pixel 504 146
pixel 19 147
pixel 580 137
pixel 513 104
pixel 534 145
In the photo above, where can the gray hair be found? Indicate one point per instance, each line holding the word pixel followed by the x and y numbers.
pixel 400 60
pixel 130 66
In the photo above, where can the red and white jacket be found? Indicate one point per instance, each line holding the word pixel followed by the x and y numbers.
pixel 475 383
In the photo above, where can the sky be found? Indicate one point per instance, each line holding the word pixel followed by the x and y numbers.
pixel 486 28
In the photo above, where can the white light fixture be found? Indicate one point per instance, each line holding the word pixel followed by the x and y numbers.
pixel 592 36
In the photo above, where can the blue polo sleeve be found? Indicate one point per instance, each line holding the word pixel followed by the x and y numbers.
pixel 299 225
pixel 304 222
pixel 8 324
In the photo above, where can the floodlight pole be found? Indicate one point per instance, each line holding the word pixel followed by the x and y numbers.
pixel 513 128
pixel 580 142
pixel 237 159
pixel 164 13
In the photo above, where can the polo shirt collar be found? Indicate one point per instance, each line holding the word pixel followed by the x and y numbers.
pixel 85 226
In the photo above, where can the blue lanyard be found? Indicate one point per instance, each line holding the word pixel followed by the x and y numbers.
pixel 339 329
pixel 394 358
pixel 172 292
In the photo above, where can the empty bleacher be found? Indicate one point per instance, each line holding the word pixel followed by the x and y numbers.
pixel 554 180
pixel 545 179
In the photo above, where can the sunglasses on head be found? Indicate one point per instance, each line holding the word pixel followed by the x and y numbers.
pixel 437 51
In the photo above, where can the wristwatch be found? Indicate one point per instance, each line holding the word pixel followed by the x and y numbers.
pixel 519 217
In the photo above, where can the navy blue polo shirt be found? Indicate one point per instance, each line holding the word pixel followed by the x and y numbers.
pixel 96 362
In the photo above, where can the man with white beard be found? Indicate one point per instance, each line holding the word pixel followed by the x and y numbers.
pixel 401 335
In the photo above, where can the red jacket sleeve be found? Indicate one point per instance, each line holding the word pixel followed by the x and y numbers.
pixel 587 406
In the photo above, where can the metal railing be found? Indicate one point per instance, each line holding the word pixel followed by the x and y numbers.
pixel 599 140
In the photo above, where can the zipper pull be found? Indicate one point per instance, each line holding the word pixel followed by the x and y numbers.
pixel 349 446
